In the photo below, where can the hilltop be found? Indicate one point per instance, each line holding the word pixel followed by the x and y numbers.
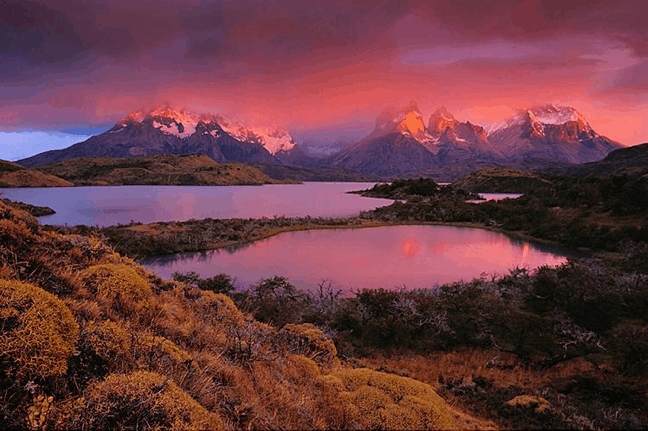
pixel 190 169
pixel 500 180
pixel 14 175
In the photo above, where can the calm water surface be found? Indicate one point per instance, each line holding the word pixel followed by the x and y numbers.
pixel 107 206
pixel 388 257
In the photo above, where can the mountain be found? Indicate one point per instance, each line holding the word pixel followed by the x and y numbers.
pixel 457 141
pixel 162 131
pixel 398 144
pixel 630 161
pixel 550 132
pixel 14 175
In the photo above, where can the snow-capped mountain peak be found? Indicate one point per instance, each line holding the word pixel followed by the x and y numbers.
pixel 551 114
pixel 440 120
pixel 274 139
pixel 407 121
pixel 170 121
pixel 541 115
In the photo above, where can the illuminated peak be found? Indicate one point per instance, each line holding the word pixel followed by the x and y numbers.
pixel 553 114
pixel 412 123
pixel 167 111
pixel 440 121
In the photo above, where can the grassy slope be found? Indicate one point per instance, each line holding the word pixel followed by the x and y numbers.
pixel 91 340
pixel 14 175
pixel 164 169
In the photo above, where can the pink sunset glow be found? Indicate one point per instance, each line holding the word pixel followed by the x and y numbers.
pixel 323 69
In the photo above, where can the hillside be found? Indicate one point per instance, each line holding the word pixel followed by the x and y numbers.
pixel 631 161
pixel 500 180
pixel 90 340
pixel 14 175
pixel 189 169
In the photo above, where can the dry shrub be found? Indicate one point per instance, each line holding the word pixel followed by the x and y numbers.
pixel 160 354
pixel 117 283
pixel 107 340
pixel 37 330
pixel 305 339
pixel 140 400
pixel 388 401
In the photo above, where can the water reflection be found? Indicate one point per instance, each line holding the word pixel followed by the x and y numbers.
pixel 388 257
pixel 107 206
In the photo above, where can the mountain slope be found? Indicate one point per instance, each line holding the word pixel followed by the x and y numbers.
pixel 631 161
pixel 459 141
pixel 550 132
pixel 161 131
pixel 14 175
pixel 398 144
pixel 190 169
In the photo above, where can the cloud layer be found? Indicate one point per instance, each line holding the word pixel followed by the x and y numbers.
pixel 322 65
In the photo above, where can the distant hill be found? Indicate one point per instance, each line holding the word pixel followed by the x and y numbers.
pixel 631 161
pixel 14 175
pixel 500 180
pixel 190 169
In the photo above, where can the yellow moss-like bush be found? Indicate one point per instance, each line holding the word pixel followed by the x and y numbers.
pixel 38 330
pixel 141 400
pixel 160 352
pixel 306 339
pixel 388 401
pixel 218 308
pixel 117 280
pixel 107 339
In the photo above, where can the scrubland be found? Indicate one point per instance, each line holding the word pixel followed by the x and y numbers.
pixel 90 340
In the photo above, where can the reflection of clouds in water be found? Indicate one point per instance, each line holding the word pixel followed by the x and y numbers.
pixel 360 262
pixel 180 207
pixel 414 256
pixel 440 247
pixel 410 247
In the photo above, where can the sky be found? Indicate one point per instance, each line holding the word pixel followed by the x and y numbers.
pixel 70 69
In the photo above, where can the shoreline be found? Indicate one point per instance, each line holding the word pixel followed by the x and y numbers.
pixel 359 223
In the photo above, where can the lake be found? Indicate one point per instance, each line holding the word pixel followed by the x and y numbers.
pixel 388 257
pixel 108 206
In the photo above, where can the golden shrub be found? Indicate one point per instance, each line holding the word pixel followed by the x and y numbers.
pixel 107 339
pixel 141 400
pixel 218 308
pixel 389 401
pixel 160 352
pixel 117 281
pixel 306 339
pixel 38 330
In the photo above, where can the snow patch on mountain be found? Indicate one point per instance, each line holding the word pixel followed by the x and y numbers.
pixel 540 115
pixel 273 139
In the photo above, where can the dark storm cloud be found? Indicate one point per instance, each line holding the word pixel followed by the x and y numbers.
pixel 90 61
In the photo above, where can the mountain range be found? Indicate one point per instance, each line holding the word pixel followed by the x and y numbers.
pixel 401 142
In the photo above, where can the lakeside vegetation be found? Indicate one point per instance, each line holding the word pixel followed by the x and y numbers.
pixel 563 347
pixel 167 169
pixel 14 175
pixel 90 340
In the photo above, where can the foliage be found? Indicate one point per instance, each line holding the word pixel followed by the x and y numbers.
pixel 117 282
pixel 140 400
pixel 37 331
pixel 387 401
